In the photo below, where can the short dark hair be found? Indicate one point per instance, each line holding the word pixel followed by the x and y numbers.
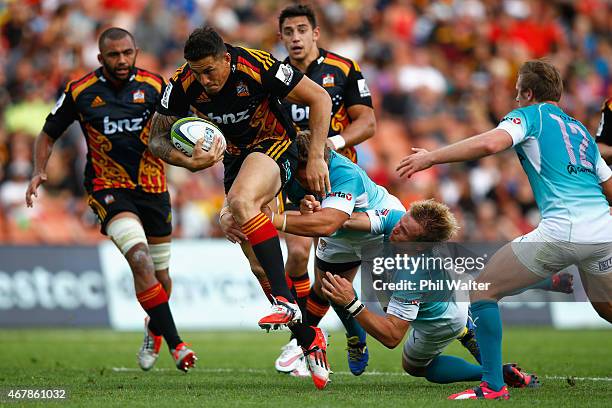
pixel 204 42
pixel 303 144
pixel 297 10
pixel 114 33
pixel 543 79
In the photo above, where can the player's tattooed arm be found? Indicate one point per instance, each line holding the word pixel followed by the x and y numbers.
pixel 159 138
pixel 160 146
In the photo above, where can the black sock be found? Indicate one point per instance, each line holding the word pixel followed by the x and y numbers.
pixel 154 301
pixel 162 317
pixel 304 334
pixel 154 328
pixel 265 243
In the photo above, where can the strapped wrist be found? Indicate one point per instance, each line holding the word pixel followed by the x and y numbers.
pixel 338 141
pixel 354 307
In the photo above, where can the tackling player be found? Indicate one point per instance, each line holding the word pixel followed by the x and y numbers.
pixel 353 195
pixel 240 89
pixel 126 184
pixel 572 186
pixel 433 325
pixel 352 122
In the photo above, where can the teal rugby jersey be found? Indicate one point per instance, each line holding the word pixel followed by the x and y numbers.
pixel 408 304
pixel 351 191
pixel 565 170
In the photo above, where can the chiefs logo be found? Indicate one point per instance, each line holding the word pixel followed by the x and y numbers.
pixel 516 121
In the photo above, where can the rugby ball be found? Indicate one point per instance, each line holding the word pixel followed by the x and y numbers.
pixel 186 132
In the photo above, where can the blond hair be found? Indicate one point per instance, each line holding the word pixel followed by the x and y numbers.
pixel 438 222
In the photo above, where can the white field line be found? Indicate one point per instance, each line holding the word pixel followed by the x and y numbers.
pixel 347 373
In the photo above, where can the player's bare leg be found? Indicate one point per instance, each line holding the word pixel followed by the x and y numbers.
pixel 256 184
pixel 599 291
pixel 127 233
pixel 159 248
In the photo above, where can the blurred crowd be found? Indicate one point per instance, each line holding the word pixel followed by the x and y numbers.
pixel 439 71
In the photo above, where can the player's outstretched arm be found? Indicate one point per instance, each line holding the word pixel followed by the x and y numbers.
pixel 389 330
pixel 475 147
pixel 307 92
pixel 319 224
pixel 42 151
pixel 160 146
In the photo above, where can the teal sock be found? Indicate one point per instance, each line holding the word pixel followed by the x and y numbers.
pixel 351 325
pixel 449 369
pixel 489 336
pixel 544 284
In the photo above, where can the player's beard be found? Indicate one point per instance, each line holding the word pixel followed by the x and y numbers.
pixel 118 77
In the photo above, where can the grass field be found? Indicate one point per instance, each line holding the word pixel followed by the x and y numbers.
pixel 98 368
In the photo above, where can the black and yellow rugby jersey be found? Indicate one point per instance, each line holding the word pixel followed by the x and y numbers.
pixel 343 80
pixel 604 131
pixel 116 124
pixel 248 108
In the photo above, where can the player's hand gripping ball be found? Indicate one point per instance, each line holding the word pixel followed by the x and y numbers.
pixel 186 132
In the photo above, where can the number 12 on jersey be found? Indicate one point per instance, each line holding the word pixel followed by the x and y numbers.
pixel 584 144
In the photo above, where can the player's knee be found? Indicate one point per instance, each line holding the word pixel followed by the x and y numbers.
pixel 299 252
pixel 126 233
pixel 240 204
pixel 297 261
pixel 491 293
pixel 604 310
pixel 412 370
pixel 141 263
pixel 129 236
